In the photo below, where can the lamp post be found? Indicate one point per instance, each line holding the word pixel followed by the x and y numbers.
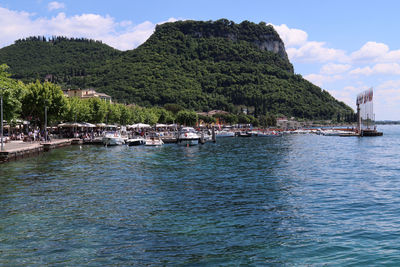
pixel 1 119
pixel 45 124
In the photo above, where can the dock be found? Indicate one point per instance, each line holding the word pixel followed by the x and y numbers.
pixel 17 149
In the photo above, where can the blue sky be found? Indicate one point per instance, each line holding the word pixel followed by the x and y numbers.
pixel 343 46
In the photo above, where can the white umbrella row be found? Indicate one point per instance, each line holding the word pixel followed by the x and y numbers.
pixel 138 125
pixel 133 126
pixel 143 125
pixel 76 124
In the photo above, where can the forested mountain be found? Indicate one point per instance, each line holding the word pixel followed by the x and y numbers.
pixel 65 61
pixel 196 64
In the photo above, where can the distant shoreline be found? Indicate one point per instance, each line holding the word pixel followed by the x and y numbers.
pixel 387 122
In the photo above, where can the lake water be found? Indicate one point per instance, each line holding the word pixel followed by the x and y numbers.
pixel 294 200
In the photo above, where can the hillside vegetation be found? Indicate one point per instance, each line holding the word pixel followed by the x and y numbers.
pixel 69 61
pixel 198 65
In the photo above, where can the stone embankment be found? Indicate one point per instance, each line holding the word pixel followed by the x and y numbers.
pixel 17 149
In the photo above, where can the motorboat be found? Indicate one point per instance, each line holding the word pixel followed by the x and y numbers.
pixel 332 132
pixel 169 137
pixel 113 139
pixel 188 136
pixel 205 136
pixel 301 131
pixel 224 133
pixel 153 140
pixel 136 141
pixel 269 134
pixel 245 134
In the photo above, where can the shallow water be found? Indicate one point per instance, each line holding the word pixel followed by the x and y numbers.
pixel 294 200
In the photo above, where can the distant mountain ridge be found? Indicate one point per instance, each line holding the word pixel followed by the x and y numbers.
pixel 200 65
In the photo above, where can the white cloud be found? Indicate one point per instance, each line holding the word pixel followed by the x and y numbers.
pixel 132 38
pixel 332 68
pixel 390 84
pixel 55 5
pixel 374 60
pixel 344 96
pixel 392 56
pixel 381 68
pixel 320 80
pixel 353 89
pixel 299 49
pixel 371 51
pixel 316 52
pixel 122 35
pixel 291 37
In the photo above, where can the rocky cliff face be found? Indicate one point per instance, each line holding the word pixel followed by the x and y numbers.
pixel 263 36
pixel 273 46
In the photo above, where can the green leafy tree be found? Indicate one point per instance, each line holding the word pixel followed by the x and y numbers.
pixel 125 115
pixel 150 117
pixel 267 120
pixel 12 92
pixel 41 95
pixel 207 119
pixel 164 116
pixel 113 113
pixel 243 119
pixel 174 108
pixel 98 109
pixel 186 117
pixel 78 110
pixel 137 114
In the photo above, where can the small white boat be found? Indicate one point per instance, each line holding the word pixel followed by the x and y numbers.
pixel 153 141
pixel 113 139
pixel 332 132
pixel 269 133
pixel 188 136
pixel 224 133
pixel 206 137
pixel 301 131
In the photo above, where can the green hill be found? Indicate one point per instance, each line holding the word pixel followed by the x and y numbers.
pixel 68 61
pixel 196 64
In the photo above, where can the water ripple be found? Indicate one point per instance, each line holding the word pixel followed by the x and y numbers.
pixel 295 200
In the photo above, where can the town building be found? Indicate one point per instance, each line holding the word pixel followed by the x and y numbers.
pixel 86 93
pixel 285 123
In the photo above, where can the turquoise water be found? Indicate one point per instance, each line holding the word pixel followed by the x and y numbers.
pixel 295 200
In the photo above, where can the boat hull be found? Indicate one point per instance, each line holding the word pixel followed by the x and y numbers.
pixel 153 142
pixel 228 134
pixel 190 142
pixel 113 141
pixel 135 142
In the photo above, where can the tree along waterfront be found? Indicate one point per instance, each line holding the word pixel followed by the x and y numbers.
pixel 29 101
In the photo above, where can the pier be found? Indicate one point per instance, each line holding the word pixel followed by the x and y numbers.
pixel 18 149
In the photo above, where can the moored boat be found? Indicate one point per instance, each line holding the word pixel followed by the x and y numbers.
pixel 137 141
pixel 188 136
pixel 244 134
pixel 113 139
pixel 153 141
pixel 269 133
pixel 224 133
pixel 332 132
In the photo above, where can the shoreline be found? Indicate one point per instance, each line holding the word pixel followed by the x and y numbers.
pixel 15 150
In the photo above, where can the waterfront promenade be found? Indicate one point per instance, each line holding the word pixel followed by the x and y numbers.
pixel 18 149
